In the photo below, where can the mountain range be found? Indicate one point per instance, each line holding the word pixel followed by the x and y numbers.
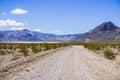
pixel 106 31
pixel 28 36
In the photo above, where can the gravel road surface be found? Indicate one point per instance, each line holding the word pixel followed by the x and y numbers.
pixel 73 63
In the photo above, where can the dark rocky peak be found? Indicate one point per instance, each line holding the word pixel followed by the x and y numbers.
pixel 106 26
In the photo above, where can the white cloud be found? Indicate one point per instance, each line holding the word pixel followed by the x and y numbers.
pixel 17 28
pixel 19 11
pixel 38 30
pixel 10 23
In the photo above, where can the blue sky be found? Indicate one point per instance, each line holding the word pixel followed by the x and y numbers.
pixel 58 16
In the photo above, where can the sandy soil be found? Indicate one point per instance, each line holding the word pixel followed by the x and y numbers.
pixel 72 63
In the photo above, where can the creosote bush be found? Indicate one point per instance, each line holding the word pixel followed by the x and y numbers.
pixel 24 50
pixel 16 56
pixel 109 54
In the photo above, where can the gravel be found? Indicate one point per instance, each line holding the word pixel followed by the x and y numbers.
pixel 73 63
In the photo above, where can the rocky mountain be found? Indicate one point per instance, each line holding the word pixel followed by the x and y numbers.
pixel 106 31
pixel 27 35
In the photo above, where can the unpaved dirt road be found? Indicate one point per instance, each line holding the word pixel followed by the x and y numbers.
pixel 73 63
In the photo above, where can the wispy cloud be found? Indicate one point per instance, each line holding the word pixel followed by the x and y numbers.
pixel 74 32
pixel 55 32
pixel 17 28
pixel 4 13
pixel 46 31
pixel 38 30
pixel 10 23
pixel 19 11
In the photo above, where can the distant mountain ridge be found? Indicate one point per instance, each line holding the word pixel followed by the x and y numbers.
pixel 28 36
pixel 106 31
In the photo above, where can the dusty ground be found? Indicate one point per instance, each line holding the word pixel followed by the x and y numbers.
pixel 72 63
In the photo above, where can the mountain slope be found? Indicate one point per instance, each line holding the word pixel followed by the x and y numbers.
pixel 106 31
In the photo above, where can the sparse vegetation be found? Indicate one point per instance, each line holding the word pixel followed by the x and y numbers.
pixel 26 48
pixel 104 48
